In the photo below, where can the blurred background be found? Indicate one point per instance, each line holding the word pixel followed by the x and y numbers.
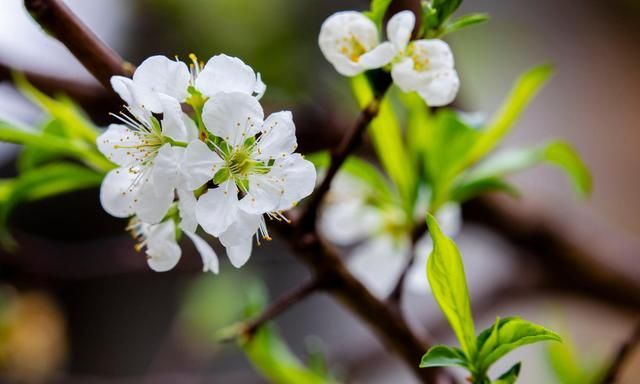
pixel 79 305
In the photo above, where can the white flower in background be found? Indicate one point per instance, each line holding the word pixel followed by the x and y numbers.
pixel 350 41
pixel 162 249
pixel 423 66
pixel 255 168
pixel 381 244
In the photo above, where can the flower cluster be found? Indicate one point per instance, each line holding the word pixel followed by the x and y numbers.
pixel 222 167
pixel 350 41
pixel 382 243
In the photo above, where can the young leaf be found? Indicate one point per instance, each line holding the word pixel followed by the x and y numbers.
pixel 564 156
pixel 468 190
pixel 510 376
pixel 523 92
pixel 74 123
pixel 445 273
pixel 386 135
pixel 377 11
pixel 443 356
pixel 49 142
pixel 506 335
pixel 465 21
pixel 558 153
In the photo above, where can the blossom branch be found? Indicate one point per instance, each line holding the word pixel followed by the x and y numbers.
pixel 56 18
pixel 395 297
pixel 279 306
pixel 621 356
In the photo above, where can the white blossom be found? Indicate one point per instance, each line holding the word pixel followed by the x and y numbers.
pixel 161 245
pixel 350 41
pixel 255 168
pixel 382 246
pixel 425 66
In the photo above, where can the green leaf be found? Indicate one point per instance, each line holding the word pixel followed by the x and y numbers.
pixel 558 153
pixel 506 335
pixel 387 139
pixel 474 188
pixel 41 183
pixel 564 156
pixel 49 142
pixel 377 11
pixel 510 376
pixel 570 368
pixel 449 141
pixel 502 122
pixel 420 126
pixel 443 356
pixel 445 273
pixel 465 21
pixel 74 123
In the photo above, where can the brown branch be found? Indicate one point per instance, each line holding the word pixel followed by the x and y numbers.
pixel 579 253
pixel 58 20
pixel 395 297
pixel 279 306
pixel 338 156
pixel 622 355
pixel 386 323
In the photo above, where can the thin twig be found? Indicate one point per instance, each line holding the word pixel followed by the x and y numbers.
pixel 338 156
pixel 622 355
pixel 279 306
pixel 58 20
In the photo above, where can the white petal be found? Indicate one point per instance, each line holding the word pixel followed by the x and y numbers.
pixel 164 174
pixel 450 219
pixel 378 57
pixel 233 117
pixel 227 74
pixel 399 29
pixel 243 228
pixel 404 76
pixel 442 89
pixel 187 207
pixel 346 223
pixel 260 88
pixel 278 136
pixel 436 51
pixel 378 264
pixel 152 203
pixel 342 26
pixel 142 101
pixel 199 165
pixel 119 144
pixel 299 177
pixel 120 85
pixel 264 195
pixel 175 123
pixel 239 254
pixel 209 257
pixel 217 209
pixel 161 75
pixel 163 250
pixel 117 193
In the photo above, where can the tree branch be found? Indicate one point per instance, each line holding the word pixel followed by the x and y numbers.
pixel 279 306
pixel 621 356
pixel 338 156
pixel 58 20
pixel 586 255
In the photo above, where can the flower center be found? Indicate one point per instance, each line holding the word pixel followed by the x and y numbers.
pixel 352 48
pixel 240 163
pixel 420 57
